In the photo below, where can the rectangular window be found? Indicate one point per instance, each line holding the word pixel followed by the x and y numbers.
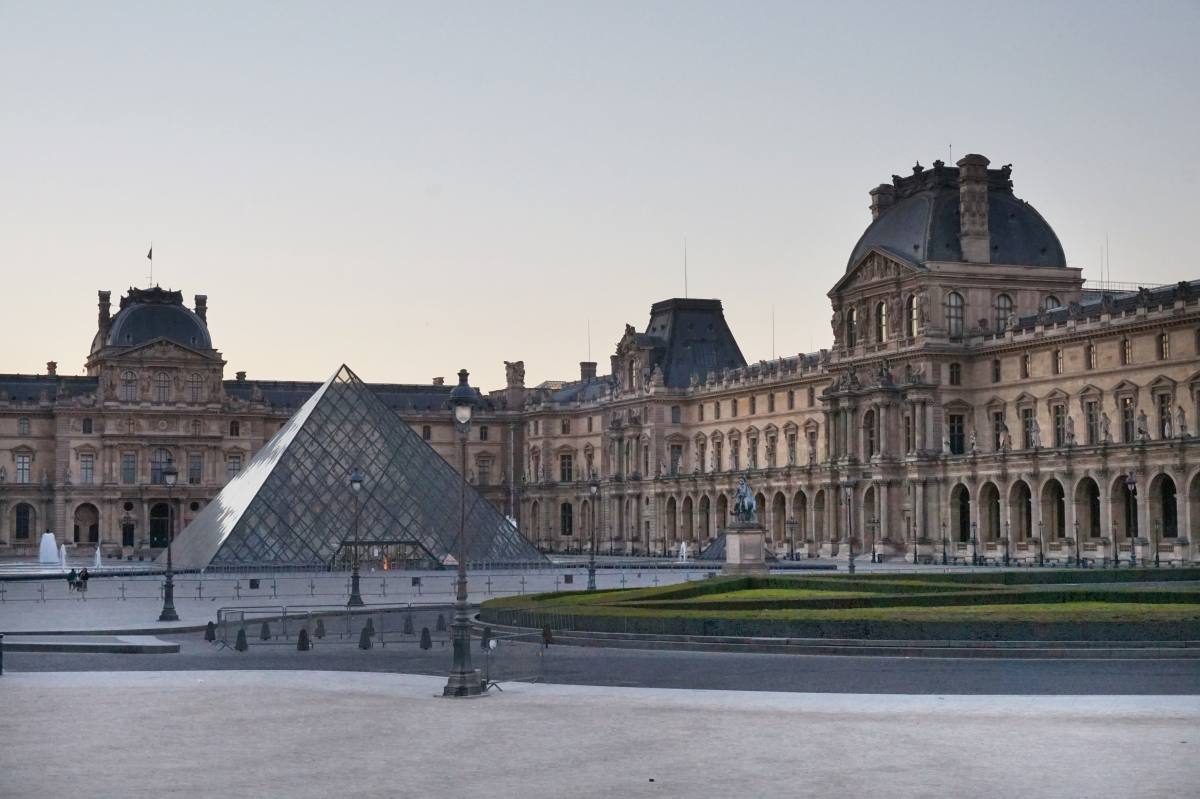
pixel 812 444
pixel 957 424
pixel 23 426
pixel 771 402
pixel 87 426
pixel 752 452
pixel 590 423
pixel 735 456
pixel 1058 415
pixel 566 468
pixel 997 430
pixel 718 456
pixel 1091 416
pixel 1025 365
pixel 812 396
pixel 1027 420
pixel 996 370
pixel 908 434
pixel 772 449
pixel 676 458
pixel 676 414
pixel 1057 363
pixel 956 374
pixel 733 409
pixel 791 400
pixel 700 412
pixel 233 466
pixel 791 453
pixel 536 426
pixel 128 468
pixel 195 468
pixel 24 462
pixel 565 427
pixel 1164 346
pixel 702 456
pixel 426 432
pixel 87 468
pixel 1126 351
pixel 717 409
pixel 483 431
pixel 753 405
pixel 485 473
pixel 1164 415
pixel 1128 430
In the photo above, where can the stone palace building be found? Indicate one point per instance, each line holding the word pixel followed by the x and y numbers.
pixel 977 401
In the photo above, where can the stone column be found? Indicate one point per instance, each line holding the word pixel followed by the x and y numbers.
pixel 930 432
pixel 4 536
pixel 1106 526
pixel 883 514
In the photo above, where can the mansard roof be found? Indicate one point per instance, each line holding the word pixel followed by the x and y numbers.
pixel 396 396
pixel 29 388
pixel 690 339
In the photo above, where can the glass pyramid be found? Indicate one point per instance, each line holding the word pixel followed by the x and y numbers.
pixel 292 507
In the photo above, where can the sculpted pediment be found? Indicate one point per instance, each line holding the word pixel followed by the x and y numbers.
pixel 876 266
pixel 163 349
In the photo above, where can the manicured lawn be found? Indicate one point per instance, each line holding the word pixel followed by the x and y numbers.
pixel 749 594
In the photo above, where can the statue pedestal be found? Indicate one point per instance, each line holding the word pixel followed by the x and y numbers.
pixel 745 551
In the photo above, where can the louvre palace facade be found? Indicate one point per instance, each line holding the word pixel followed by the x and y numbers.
pixel 978 400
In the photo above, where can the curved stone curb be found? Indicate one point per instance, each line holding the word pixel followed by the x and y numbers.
pixel 128 645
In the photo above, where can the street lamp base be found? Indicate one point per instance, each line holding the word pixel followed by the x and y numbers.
pixel 463 684
pixel 355 602
pixel 168 614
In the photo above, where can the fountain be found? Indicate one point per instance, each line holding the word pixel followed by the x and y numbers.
pixel 96 561
pixel 48 550
pixel 62 556
pixel 683 551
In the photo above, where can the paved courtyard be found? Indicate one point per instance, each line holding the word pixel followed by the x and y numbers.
pixel 313 734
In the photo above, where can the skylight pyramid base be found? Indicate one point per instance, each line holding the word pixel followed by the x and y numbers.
pixel 292 507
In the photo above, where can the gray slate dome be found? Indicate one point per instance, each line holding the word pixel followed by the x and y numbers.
pixel 149 314
pixel 922 222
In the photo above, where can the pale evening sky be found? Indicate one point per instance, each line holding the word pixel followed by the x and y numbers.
pixel 414 188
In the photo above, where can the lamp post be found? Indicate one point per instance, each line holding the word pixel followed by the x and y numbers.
pixel 974 543
pixel 912 533
pixel 1007 536
pixel 1131 521
pixel 791 525
pixel 594 490
pixel 944 561
pixel 356 483
pixel 1078 547
pixel 848 492
pixel 1038 542
pixel 169 475
pixel 463 680
pixel 1157 536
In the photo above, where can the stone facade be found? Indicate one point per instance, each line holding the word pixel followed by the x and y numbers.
pixel 978 400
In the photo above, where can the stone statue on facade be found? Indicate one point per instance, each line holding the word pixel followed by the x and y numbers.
pixel 812 453
pixel 974 442
pixel 1035 434
pixel 1180 423
pixel 1167 430
pixel 744 508
pixel 1070 432
pixel 945 445
pixel 1105 428
pixel 3 475
pixel 1005 438
pixel 1143 426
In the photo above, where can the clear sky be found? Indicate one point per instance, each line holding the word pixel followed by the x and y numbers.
pixel 415 188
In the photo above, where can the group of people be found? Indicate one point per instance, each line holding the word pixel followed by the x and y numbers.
pixel 77 581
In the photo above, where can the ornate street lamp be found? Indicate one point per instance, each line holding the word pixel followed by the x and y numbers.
pixel 1157 537
pixel 1007 536
pixel 791 525
pixel 1078 547
pixel 944 561
pixel 1131 526
pixel 1038 542
pixel 356 484
pixel 848 493
pixel 974 543
pixel 912 533
pixel 463 680
pixel 594 490
pixel 169 476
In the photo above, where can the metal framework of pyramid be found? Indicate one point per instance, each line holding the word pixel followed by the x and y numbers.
pixel 292 507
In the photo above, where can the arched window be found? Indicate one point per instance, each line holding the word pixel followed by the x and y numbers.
pixel 881 322
pixel 1004 309
pixel 24 521
pixel 910 316
pixel 567 515
pixel 1051 302
pixel 235 430
pixel 851 328
pixel 158 461
pixel 128 387
pixel 955 308
pixel 195 386
pixel 162 387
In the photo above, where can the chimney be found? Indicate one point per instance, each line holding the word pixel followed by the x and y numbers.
pixel 241 377
pixel 587 370
pixel 202 308
pixel 973 209
pixel 439 381
pixel 882 198
pixel 105 308
pixel 51 368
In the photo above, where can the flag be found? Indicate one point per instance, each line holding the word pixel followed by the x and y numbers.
pixel 150 253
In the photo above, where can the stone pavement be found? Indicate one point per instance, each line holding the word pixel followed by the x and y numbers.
pixel 317 734
pixel 123 603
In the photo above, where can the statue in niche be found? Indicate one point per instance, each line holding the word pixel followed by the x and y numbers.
pixel 1105 428
pixel 1143 426
pixel 744 507
pixel 1005 438
pixel 1070 433
pixel 974 442
pixel 1166 426
pixel 1181 422
pixel 946 445
pixel 1035 434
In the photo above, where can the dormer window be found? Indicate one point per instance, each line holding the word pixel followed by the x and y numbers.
pixel 1050 303
pixel 1004 309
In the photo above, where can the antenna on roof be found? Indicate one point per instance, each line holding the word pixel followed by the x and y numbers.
pixel 150 257
pixel 1107 257
pixel 685 285
pixel 589 338
pixel 951 149
pixel 772 332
